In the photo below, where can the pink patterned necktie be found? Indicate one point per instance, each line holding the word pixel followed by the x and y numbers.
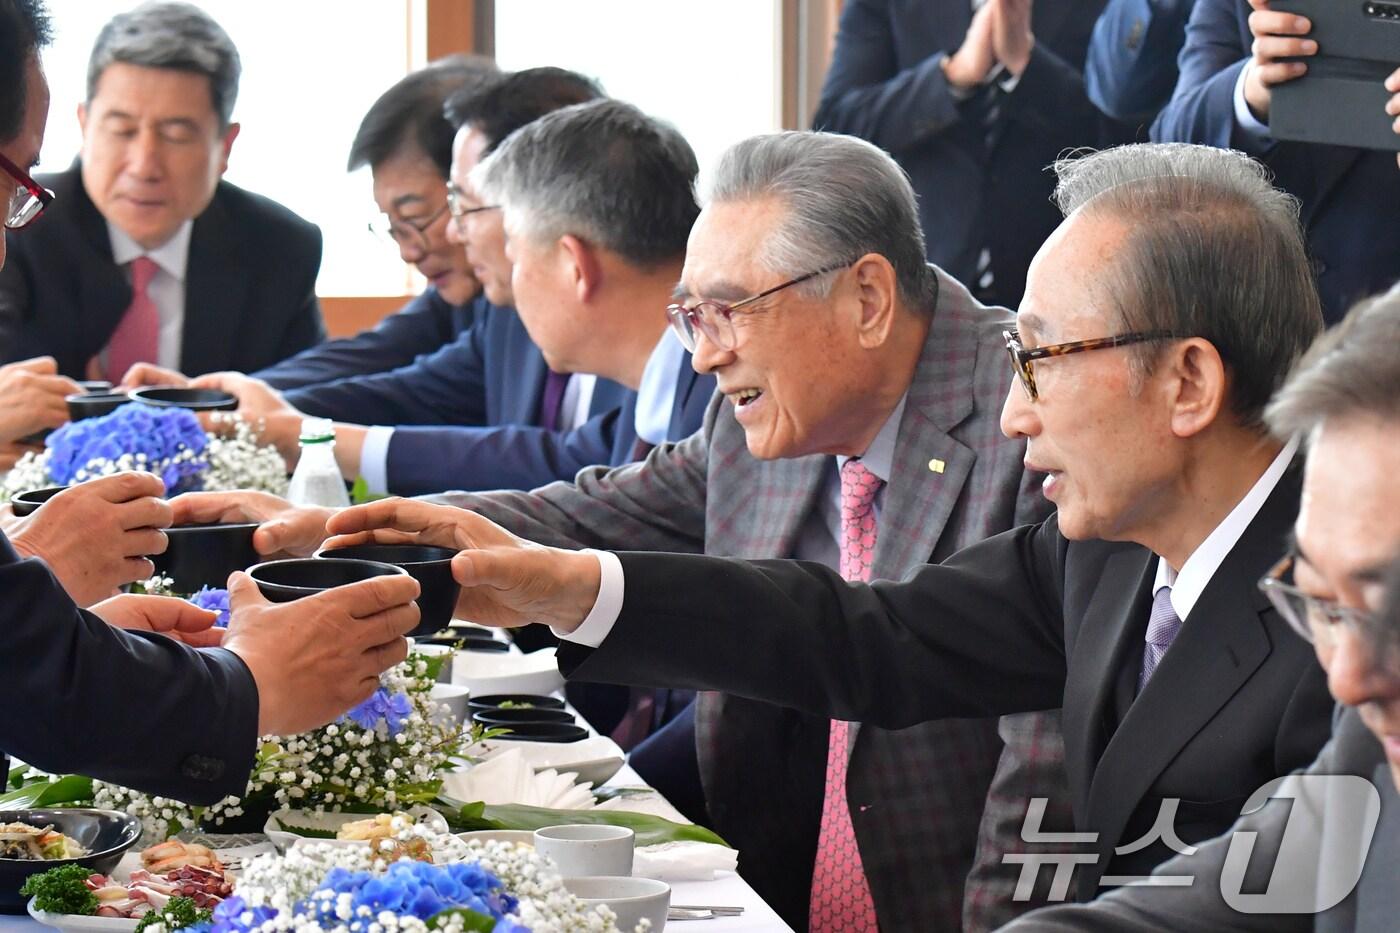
pixel 137 337
pixel 841 898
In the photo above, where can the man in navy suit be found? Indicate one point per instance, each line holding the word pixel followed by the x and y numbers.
pixel 1348 196
pixel 91 690
pixel 973 99
pixel 407 144
pixel 611 329
pixel 146 255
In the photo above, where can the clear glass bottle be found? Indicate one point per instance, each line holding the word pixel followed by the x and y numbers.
pixel 317 479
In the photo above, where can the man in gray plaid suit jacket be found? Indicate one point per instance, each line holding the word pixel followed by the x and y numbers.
pixel 914 353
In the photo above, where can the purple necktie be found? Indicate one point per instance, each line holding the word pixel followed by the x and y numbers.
pixel 553 399
pixel 1162 627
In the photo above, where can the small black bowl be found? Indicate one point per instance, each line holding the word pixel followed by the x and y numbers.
pixel 26 503
pixel 204 555
pixel 485 644
pixel 106 834
pixel 94 405
pixel 494 701
pixel 285 580
pixel 95 386
pixel 512 717
pixel 543 732
pixel 430 566
pixel 193 399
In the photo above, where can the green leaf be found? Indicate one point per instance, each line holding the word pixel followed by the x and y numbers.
pixel 307 832
pixel 650 830
pixel 472 920
pixel 66 790
pixel 360 493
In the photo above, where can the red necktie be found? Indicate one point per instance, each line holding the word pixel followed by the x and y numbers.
pixel 137 337
pixel 841 898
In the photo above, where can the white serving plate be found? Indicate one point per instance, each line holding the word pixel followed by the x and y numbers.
pixel 284 839
pixel 78 923
pixel 594 759
pixel 490 672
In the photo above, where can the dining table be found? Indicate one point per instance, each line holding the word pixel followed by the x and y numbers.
pixel 726 889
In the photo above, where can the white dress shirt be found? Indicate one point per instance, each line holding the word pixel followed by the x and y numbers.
pixel 167 288
pixel 817 540
pixel 1188 584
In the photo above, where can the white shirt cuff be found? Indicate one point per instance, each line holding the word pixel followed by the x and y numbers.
pixel 1243 115
pixel 374 458
pixel 603 616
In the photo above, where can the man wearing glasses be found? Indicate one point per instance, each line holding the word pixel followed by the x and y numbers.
pixel 806 294
pixel 1344 399
pixel 1134 607
pixel 147 255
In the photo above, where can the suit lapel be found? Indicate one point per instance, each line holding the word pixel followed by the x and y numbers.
pixel 1220 646
pixel 1108 637
pixel 216 286
pixel 104 292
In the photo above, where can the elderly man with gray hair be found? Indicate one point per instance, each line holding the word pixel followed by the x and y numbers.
pixel 1157 322
pixel 1322 847
pixel 856 426
pixel 146 255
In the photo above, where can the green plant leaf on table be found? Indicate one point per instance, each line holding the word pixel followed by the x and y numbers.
pixel 360 493
pixel 66 791
pixel 178 913
pixel 650 830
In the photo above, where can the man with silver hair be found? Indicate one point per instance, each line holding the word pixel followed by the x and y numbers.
pixel 148 256
pixel 842 359
pixel 1157 322
pixel 1328 853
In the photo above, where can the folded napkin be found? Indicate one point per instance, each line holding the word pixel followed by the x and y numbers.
pixel 509 778
pixel 683 861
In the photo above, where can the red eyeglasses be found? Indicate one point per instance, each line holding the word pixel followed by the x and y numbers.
pixel 26 201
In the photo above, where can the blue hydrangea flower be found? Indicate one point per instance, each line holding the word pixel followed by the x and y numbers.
pixel 381 706
pixel 157 435
pixel 215 601
pixel 234 915
pixel 415 889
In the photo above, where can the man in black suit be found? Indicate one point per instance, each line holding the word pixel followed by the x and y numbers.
pixel 973 98
pixel 1325 866
pixel 139 708
pixel 1156 324
pixel 146 255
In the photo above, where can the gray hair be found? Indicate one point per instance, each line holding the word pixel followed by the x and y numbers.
pixel 167 34
pixel 1214 250
pixel 603 171
pixel 1353 369
pixel 844 197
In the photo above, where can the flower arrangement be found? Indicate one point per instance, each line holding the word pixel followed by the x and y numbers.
pixel 166 441
pixel 388 753
pixel 493 886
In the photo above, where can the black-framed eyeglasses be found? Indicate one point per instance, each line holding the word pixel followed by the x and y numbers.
pixel 1022 359
pixel 1320 620
pixel 715 320
pixel 461 208
pixel 407 231
pixel 26 201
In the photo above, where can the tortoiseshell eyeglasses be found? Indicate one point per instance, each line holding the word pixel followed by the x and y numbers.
pixel 1022 359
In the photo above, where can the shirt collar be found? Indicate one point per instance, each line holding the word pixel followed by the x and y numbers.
pixel 1188 584
pixel 172 256
pixel 656 395
pixel 879 456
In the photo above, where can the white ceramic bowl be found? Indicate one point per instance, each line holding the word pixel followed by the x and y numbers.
pixel 77 923
pixel 488 672
pixel 632 899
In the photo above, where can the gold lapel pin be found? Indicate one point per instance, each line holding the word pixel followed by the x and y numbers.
pixel 936 466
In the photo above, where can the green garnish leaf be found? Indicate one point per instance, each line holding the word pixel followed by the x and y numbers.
pixel 62 890
pixel 178 913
